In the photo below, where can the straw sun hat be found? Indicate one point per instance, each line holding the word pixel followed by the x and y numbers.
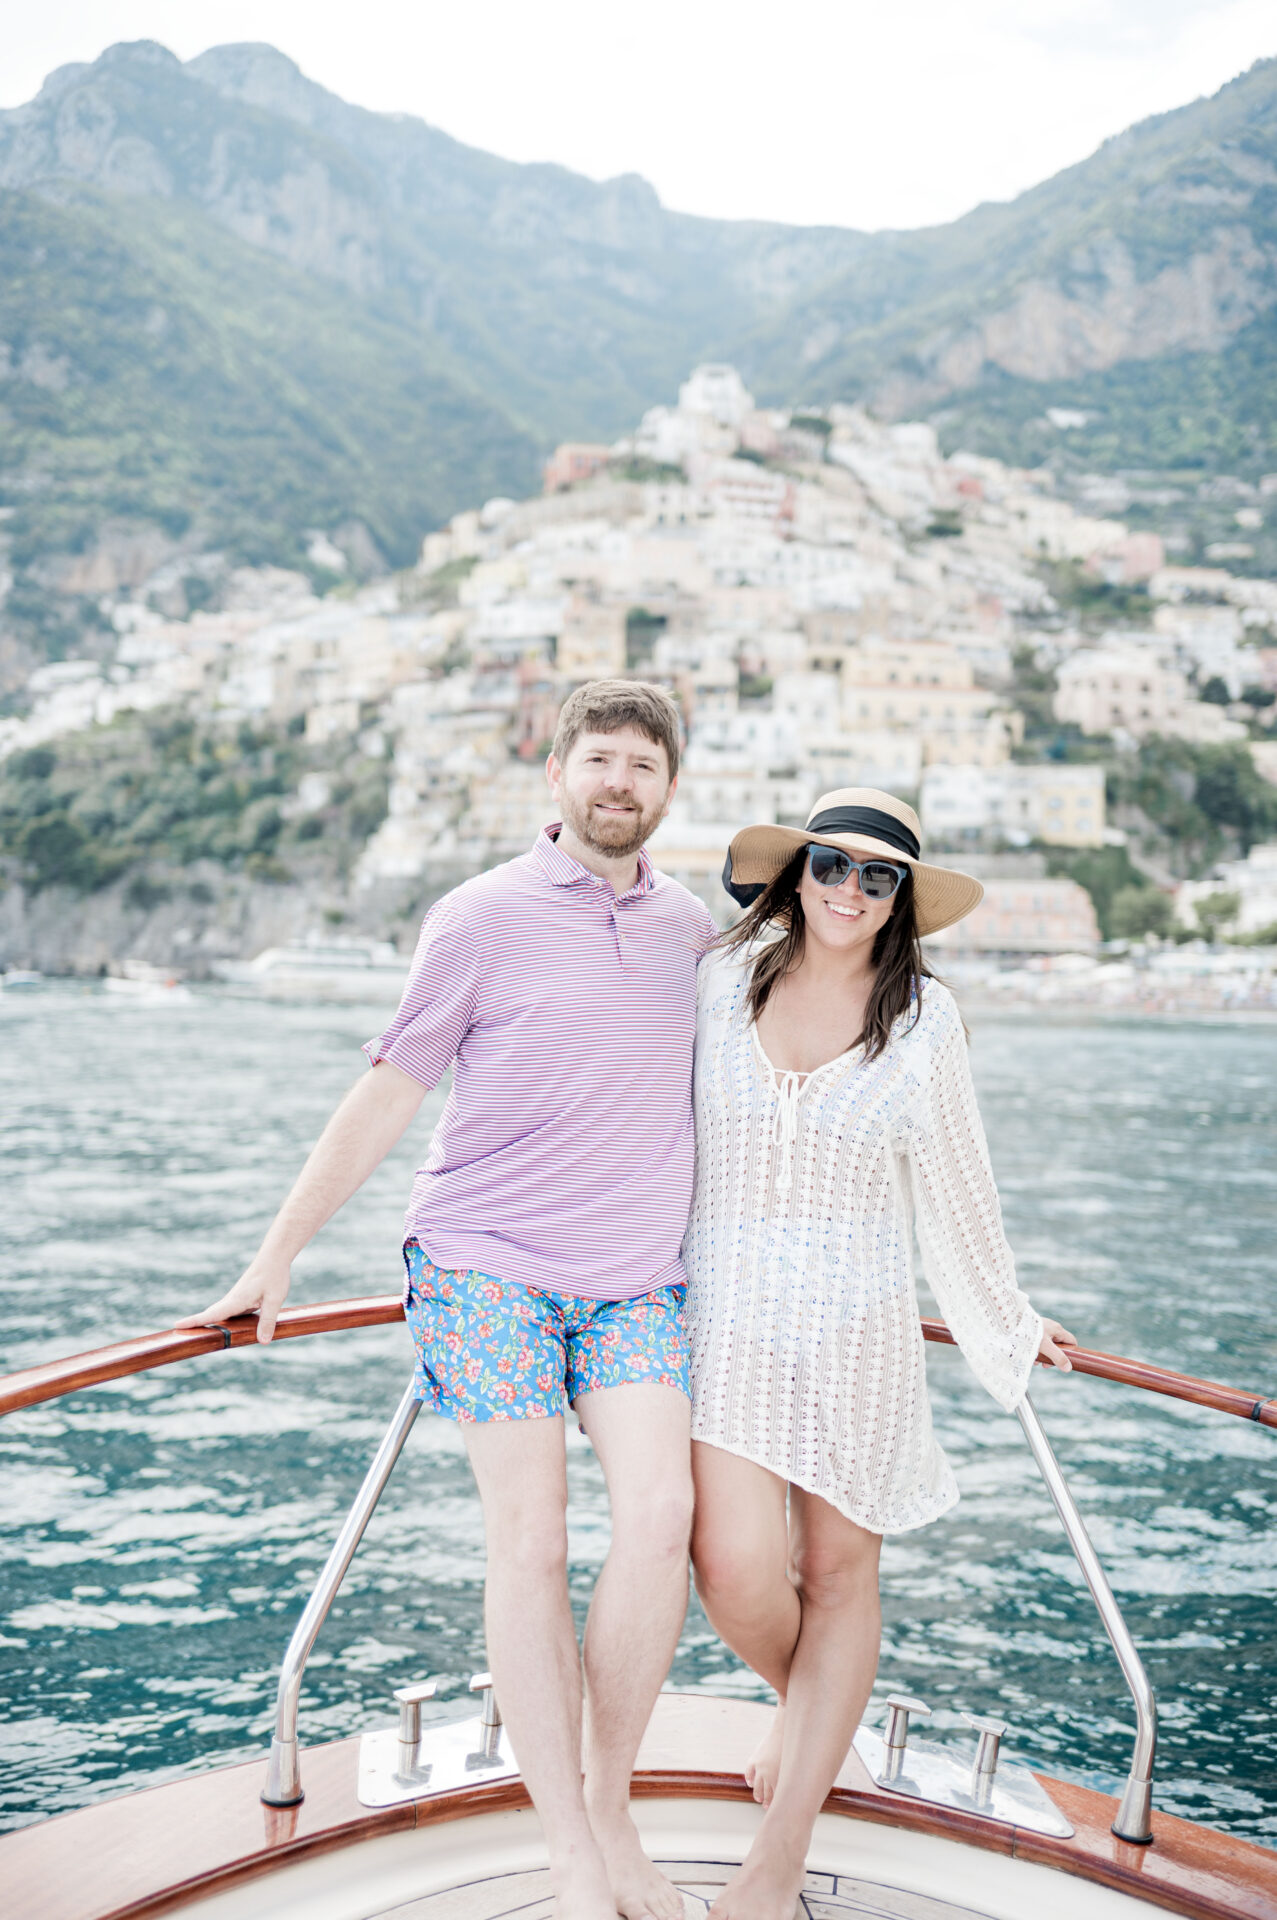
pixel 856 820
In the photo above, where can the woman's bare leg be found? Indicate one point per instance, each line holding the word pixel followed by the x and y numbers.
pixel 835 1564
pixel 740 1551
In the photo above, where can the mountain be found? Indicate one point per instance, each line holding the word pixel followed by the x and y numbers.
pixel 235 308
pixel 1156 257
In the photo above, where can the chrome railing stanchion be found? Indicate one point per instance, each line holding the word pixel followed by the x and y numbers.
pixel 283 1786
pixel 1134 1816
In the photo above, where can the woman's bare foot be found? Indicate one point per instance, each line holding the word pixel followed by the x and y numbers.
pixel 762 1772
pixel 767 1886
pixel 640 1890
pixel 581 1887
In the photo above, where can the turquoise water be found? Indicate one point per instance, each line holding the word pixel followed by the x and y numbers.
pixel 160 1533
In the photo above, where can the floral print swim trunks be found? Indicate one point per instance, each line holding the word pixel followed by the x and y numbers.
pixel 490 1349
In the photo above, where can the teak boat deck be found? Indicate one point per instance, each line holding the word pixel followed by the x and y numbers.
pixel 206 1846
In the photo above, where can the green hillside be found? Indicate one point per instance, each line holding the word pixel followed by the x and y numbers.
pixel 1209 412
pixel 234 308
pixel 185 380
pixel 172 807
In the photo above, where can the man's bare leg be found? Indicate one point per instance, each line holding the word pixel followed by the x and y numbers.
pixel 641 1436
pixel 532 1648
pixel 740 1551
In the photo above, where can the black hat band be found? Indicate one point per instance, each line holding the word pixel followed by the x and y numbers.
pixel 881 826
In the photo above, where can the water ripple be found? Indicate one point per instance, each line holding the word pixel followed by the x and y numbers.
pixel 162 1532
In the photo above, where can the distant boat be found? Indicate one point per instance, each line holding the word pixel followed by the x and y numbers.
pixel 20 980
pixel 318 969
pixel 166 992
pixel 144 984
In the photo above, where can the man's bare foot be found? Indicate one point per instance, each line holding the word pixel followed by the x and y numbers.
pixel 581 1887
pixel 766 1887
pixel 640 1890
pixel 763 1770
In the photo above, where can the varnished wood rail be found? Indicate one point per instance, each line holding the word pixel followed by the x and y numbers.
pixel 57 1377
pixel 1142 1374
pixel 34 1385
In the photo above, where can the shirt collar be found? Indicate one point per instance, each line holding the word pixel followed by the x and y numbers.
pixel 563 871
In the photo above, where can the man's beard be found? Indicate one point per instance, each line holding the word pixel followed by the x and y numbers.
pixel 614 835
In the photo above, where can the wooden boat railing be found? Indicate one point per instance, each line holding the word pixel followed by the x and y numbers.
pixel 35 1385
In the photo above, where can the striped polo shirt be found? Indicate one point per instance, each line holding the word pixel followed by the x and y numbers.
pixel 563 1158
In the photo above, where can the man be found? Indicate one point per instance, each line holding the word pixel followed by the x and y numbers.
pixel 543 1255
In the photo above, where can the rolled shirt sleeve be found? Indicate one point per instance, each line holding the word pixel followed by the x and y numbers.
pixel 439 1001
pixel 705 932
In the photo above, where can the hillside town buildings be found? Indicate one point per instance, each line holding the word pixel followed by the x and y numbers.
pixel 1131 689
pixel 832 601
pixel 1055 803
pixel 1026 916
pixel 1245 893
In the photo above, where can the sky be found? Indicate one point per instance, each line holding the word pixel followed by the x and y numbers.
pixel 862 113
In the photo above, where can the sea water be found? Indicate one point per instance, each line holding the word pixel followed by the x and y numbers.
pixel 161 1533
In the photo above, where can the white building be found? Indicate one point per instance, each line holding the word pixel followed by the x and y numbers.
pixel 1206 641
pixel 669 438
pixel 718 392
pixel 1129 688
pixel 748 738
pixel 1253 880
pixel 1060 804
pixel 713 406
pixel 862 757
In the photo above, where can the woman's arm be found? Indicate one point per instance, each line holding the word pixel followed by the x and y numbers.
pixel 969 1264
pixel 370 1120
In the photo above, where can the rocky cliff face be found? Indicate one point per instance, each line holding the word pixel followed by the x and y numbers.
pixel 135 125
pixel 205 260
pixel 1062 282
pixel 1163 244
pixel 1098 316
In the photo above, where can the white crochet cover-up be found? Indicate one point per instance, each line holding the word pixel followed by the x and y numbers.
pixel 807 1354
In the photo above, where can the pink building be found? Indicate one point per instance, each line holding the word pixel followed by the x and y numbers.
pixel 572 461
pixel 1026 916
pixel 1138 557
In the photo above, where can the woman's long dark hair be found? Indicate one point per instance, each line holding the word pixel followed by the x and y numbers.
pixel 899 968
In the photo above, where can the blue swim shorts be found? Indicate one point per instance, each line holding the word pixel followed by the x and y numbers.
pixel 490 1349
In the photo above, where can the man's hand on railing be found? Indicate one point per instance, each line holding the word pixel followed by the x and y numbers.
pixel 262 1289
pixel 1054 1339
pixel 371 1118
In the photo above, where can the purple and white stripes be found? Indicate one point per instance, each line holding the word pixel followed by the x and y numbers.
pixel 564 1155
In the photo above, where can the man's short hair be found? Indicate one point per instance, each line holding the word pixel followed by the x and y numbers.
pixel 605 706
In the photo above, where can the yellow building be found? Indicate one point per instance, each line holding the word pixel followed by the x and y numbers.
pixel 591 641
pixel 1067 803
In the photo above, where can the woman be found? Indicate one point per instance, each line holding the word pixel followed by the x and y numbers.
pixel 834 1111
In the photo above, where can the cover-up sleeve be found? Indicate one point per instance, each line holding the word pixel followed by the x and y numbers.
pixel 439 1000
pixel 968 1263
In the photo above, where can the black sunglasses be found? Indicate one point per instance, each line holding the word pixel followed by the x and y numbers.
pixel 830 866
